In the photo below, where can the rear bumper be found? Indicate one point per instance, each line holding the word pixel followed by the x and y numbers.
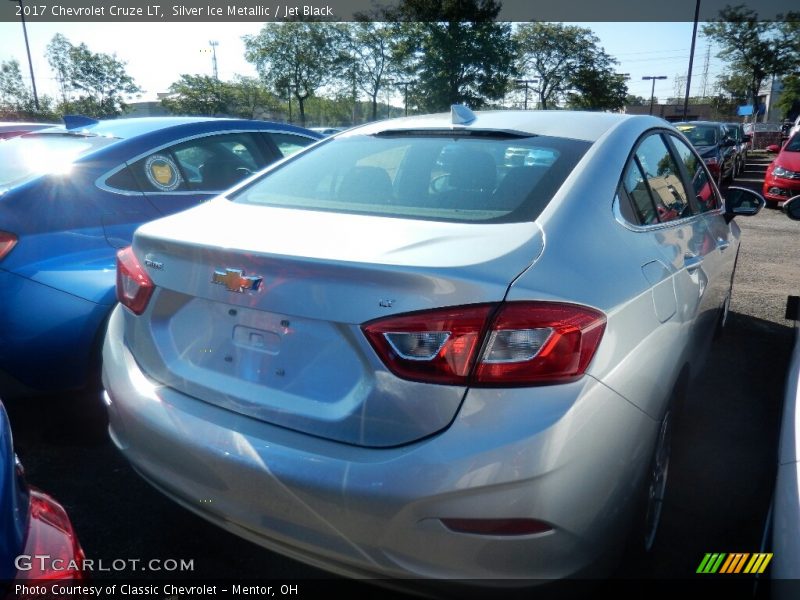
pixel 46 335
pixel 570 455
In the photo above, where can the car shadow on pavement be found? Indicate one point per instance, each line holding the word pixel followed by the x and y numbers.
pixel 724 457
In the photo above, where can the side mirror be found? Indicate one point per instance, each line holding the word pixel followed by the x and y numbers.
pixel 792 208
pixel 728 142
pixel 773 148
pixel 740 201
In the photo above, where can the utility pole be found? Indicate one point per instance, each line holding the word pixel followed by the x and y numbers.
pixel 653 89
pixel 524 83
pixel 405 84
pixel 28 50
pixel 691 59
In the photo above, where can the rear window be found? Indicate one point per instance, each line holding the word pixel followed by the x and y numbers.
pixel 434 176
pixel 23 158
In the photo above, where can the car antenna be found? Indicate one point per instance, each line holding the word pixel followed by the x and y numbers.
pixel 461 115
pixel 78 121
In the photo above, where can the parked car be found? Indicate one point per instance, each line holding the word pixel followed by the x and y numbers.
pixel 786 499
pixel 9 129
pixel 32 525
pixel 374 363
pixel 715 145
pixel 782 180
pixel 736 132
pixel 326 131
pixel 70 198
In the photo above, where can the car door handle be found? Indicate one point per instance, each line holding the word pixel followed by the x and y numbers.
pixel 692 262
pixel 722 244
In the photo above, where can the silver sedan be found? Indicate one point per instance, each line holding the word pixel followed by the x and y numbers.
pixel 401 353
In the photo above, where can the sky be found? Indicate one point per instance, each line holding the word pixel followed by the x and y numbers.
pixel 157 53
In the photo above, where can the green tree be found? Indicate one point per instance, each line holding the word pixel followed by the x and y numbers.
pixel 789 101
pixel 754 49
pixel 99 80
pixel 14 94
pixel 597 87
pixel 198 95
pixel 374 50
pixel 454 50
pixel 16 99
pixel 57 54
pixel 249 97
pixel 568 59
pixel 632 100
pixel 294 57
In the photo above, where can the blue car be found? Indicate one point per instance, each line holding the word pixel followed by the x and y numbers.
pixel 32 525
pixel 71 197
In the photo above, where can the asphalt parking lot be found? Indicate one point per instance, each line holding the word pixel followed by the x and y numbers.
pixel 720 477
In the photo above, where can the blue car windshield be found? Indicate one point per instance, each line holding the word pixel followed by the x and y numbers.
pixel 23 158
pixel 423 175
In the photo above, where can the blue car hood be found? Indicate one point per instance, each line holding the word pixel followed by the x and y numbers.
pixel 13 504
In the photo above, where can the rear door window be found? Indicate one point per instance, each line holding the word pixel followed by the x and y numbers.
pixel 703 191
pixel 206 164
pixel 663 177
pixel 289 143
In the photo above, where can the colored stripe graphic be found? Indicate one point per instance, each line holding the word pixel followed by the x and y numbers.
pixel 758 563
pixel 711 562
pixel 721 562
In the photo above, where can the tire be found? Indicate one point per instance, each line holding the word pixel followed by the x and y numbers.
pixel 656 484
pixel 643 536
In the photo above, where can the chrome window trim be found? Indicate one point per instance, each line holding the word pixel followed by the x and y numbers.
pixel 656 226
pixel 617 211
pixel 100 182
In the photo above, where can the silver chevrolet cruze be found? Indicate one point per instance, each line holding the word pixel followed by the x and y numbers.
pixel 448 346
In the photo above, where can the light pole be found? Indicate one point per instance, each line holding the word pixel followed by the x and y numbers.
pixel 214 44
pixel 28 50
pixel 653 89
pixel 525 82
pixel 406 84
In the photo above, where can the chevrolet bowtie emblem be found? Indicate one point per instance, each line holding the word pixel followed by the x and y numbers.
pixel 235 280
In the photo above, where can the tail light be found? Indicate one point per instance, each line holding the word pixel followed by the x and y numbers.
pixel 7 243
pixel 511 344
pixel 52 551
pixel 134 286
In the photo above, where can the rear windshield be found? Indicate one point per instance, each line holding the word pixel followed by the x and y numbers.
pixel 23 158
pixel 423 176
pixel 700 135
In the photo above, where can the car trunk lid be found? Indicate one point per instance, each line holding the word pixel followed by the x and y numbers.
pixel 264 316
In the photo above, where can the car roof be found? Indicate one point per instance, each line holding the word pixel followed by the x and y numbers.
pixel 131 127
pixel 714 123
pixel 580 125
pixel 137 126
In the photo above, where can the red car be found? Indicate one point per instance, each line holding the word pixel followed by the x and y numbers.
pixel 783 174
